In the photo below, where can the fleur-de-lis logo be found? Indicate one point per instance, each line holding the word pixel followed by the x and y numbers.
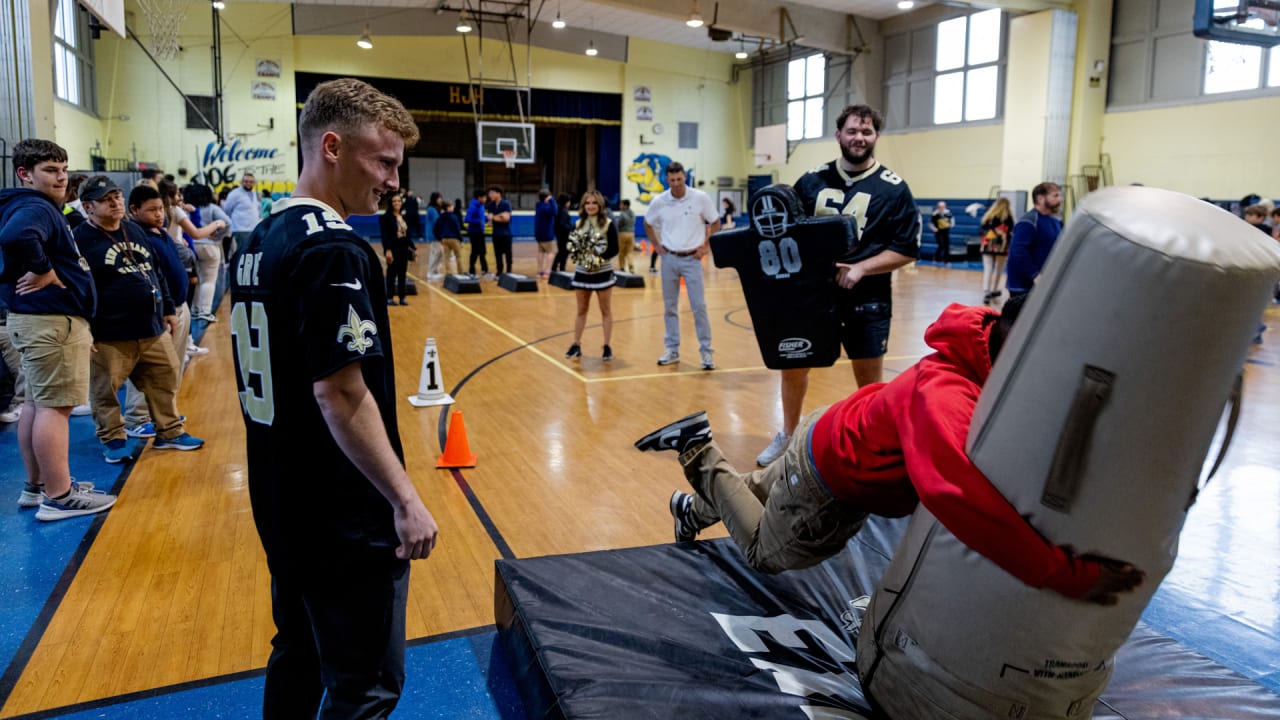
pixel 358 330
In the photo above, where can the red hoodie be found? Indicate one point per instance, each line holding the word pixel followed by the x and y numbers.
pixel 891 445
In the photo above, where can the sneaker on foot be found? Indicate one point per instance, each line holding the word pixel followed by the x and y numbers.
pixel 403 301
pixel 185 441
pixel 142 431
pixel 669 357
pixel 32 495
pixel 707 362
pixel 116 451
pixel 80 410
pixel 680 435
pixel 575 351
pixel 774 451
pixel 653 270
pixel 607 355
pixel 11 415
pixel 681 505
pixel 196 350
pixel 79 501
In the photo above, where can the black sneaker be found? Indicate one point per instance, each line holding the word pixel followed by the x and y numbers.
pixel 575 351
pixel 607 355
pixel 679 435
pixel 681 505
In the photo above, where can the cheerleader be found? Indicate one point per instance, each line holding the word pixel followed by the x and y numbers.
pixel 592 243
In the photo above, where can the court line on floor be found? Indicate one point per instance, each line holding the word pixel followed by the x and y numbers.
pixel 107 702
pixel 22 656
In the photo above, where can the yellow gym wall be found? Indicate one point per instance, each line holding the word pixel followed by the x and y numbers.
pixel 951 162
pixel 141 111
pixel 1178 148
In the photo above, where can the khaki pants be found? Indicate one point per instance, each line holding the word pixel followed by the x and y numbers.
pixel 781 516
pixel 13 362
pixel 152 365
pixel 452 248
pixel 135 403
pixel 626 241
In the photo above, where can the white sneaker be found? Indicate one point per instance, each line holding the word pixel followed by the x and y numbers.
pixel 670 357
pixel 707 362
pixel 12 414
pixel 79 502
pixel 774 451
pixel 194 350
pixel 80 410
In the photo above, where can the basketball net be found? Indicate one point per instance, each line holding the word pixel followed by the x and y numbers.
pixel 509 158
pixel 164 18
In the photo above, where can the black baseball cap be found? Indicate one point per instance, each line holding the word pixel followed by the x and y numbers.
pixel 97 188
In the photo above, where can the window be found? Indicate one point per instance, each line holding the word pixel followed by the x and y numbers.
pixel 73 56
pixel 968 50
pixel 947 72
pixel 806 83
pixel 207 106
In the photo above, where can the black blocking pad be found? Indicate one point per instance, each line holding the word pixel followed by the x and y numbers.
pixel 628 280
pixel 461 284
pixel 690 630
pixel 517 283
pixel 562 279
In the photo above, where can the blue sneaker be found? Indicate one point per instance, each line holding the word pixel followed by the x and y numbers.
pixel 116 451
pixel 142 431
pixel 184 441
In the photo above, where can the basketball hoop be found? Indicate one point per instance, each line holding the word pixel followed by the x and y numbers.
pixel 164 18
pixel 509 158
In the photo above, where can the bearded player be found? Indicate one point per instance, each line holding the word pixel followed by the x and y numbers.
pixel 888 238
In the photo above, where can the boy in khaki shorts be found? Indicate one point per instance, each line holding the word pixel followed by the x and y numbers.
pixel 51 296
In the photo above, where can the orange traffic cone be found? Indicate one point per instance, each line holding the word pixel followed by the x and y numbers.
pixel 457 453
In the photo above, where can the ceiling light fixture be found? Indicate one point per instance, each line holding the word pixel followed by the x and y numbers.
pixel 695 20
pixel 591 48
pixel 742 51
pixel 219 5
pixel 365 42
pixel 906 4
pixel 463 25
pixel 557 23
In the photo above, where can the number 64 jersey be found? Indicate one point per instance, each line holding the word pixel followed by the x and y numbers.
pixel 786 263
pixel 308 299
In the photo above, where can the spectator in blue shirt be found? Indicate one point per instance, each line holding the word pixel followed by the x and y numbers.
pixel 544 230
pixel 1033 237
pixel 476 220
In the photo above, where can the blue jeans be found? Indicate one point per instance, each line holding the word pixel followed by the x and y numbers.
pixel 689 268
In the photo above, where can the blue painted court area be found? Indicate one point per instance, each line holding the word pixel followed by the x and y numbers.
pixel 460 678
pixel 35 555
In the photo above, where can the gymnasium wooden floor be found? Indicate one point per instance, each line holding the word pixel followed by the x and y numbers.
pixel 174 588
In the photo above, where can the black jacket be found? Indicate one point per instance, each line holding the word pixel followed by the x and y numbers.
pixel 133 297
pixel 35 237
pixel 400 246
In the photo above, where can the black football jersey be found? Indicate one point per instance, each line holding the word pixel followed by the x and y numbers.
pixel 307 299
pixel 883 207
pixel 789 283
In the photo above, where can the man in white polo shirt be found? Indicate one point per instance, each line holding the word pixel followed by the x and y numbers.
pixel 679 222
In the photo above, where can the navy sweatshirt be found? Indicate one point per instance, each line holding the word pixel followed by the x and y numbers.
pixel 170 264
pixel 132 292
pixel 35 237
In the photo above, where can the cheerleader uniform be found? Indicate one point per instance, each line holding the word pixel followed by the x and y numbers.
pixel 591 250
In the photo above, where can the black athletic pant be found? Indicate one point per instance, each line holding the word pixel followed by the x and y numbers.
pixel 943 253
pixel 653 259
pixel 396 272
pixel 477 251
pixel 501 250
pixel 338 652
pixel 561 259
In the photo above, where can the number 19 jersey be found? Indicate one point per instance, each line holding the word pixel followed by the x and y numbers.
pixel 307 299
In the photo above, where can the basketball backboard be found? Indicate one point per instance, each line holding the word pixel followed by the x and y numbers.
pixel 494 138
pixel 109 12
pixel 771 145
pixel 1250 22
